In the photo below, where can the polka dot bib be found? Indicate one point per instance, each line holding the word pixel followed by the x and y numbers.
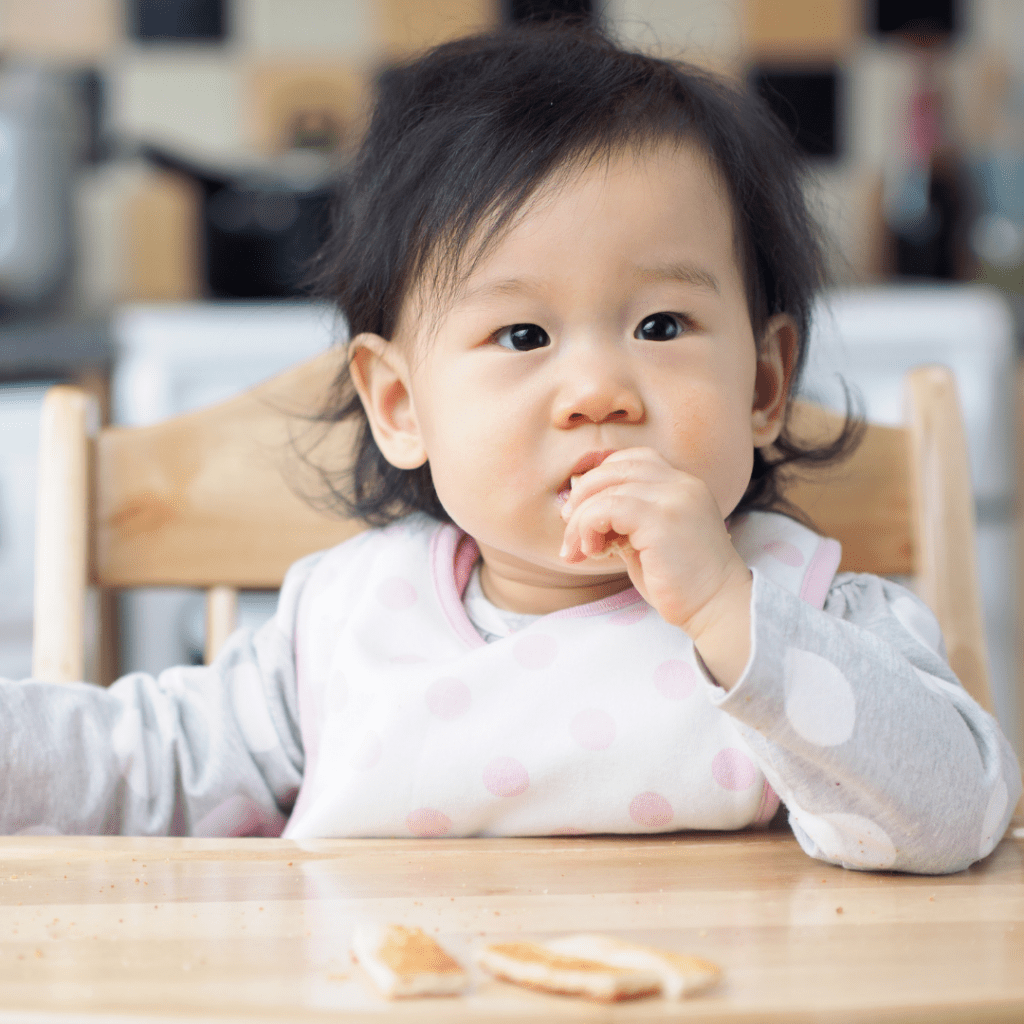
pixel 590 720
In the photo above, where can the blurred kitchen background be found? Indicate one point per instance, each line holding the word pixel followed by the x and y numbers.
pixel 165 167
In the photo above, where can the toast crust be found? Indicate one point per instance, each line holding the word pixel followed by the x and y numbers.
pixel 532 965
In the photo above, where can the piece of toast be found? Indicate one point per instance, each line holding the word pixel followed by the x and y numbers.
pixel 680 975
pixel 406 962
pixel 537 966
pixel 616 547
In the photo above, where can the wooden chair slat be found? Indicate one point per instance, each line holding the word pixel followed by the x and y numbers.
pixel 210 498
pixel 945 524
pixel 863 502
pixel 69 421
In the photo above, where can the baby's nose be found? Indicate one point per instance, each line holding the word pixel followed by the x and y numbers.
pixel 598 398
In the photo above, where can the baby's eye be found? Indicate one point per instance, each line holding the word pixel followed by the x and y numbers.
pixel 659 327
pixel 522 337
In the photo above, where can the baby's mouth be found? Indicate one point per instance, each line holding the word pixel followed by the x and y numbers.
pixel 589 461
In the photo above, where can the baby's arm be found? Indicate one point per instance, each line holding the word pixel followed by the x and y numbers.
pixel 880 756
pixel 198 751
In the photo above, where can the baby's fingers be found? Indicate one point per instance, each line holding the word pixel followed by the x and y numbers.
pixel 628 465
pixel 603 519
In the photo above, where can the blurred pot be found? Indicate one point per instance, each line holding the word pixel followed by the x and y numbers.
pixel 260 227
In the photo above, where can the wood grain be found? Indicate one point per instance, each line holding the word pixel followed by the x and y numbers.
pixel 863 502
pixel 259 929
pixel 215 497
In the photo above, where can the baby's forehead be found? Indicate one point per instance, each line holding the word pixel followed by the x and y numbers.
pixel 452 271
pixel 677 193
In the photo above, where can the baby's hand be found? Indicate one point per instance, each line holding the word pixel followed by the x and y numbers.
pixel 679 555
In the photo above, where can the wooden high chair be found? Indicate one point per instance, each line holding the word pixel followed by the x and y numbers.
pixel 201 501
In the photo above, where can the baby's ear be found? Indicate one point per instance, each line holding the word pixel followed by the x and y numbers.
pixel 776 358
pixel 381 377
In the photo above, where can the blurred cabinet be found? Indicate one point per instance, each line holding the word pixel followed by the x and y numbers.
pixel 71 30
pixel 800 30
pixel 405 26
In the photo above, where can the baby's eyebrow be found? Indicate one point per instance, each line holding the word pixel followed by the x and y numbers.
pixel 686 273
pixel 507 286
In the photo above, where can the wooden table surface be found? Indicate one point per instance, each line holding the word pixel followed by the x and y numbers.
pixel 253 929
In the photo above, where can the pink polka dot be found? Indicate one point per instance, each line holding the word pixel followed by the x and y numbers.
pixel 535 651
pixel 408 659
pixel 675 679
pixel 448 698
pixel 628 616
pixel 505 776
pixel 428 823
pixel 368 752
pixel 788 554
pixel 651 810
pixel 396 593
pixel 732 769
pixel 593 729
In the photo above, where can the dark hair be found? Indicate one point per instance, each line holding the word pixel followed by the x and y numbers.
pixel 463 136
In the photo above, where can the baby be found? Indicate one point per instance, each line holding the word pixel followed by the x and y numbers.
pixel 578 282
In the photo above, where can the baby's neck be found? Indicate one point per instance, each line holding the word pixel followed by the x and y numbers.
pixel 529 590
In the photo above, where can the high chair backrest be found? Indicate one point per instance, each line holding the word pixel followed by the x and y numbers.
pixel 204 500
pixel 902 505
pixel 207 499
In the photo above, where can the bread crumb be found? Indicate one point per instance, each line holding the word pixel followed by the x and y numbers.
pixel 839 910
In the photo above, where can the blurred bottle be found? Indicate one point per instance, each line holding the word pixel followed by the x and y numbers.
pixel 928 201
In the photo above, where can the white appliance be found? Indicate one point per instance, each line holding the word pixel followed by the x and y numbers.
pixel 871 338
pixel 175 358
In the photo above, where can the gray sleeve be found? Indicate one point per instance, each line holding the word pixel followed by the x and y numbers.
pixel 212 750
pixel 878 753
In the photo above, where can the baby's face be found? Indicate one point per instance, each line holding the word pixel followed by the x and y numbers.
pixel 612 315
